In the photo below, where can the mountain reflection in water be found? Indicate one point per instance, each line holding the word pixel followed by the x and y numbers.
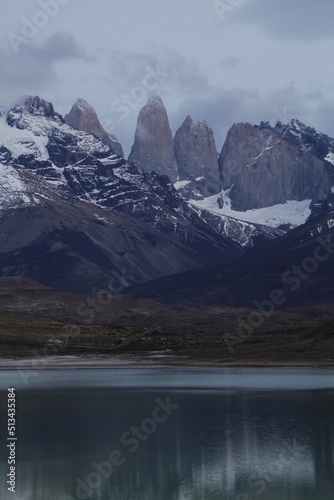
pixel 221 443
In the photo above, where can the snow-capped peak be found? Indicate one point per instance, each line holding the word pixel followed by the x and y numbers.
pixel 37 106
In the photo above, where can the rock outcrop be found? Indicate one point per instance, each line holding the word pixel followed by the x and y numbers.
pixel 153 148
pixel 83 117
pixel 264 166
pixel 197 159
pixel 38 107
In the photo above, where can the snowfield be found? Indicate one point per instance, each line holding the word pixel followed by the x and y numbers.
pixel 180 184
pixel 22 142
pixel 293 213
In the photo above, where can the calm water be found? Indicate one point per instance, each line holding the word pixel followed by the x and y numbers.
pixel 171 433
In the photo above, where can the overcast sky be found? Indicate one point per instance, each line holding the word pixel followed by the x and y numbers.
pixel 222 60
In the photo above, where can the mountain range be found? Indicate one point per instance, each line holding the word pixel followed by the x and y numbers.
pixel 78 216
pixel 75 215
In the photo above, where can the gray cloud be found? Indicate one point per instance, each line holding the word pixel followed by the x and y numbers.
pixel 128 70
pixel 297 19
pixel 231 62
pixel 245 57
pixel 32 68
pixel 59 47
pixel 186 90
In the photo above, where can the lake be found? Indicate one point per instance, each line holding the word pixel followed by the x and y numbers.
pixel 170 433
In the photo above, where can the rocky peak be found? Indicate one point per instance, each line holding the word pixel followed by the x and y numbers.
pixel 38 107
pixel 153 147
pixel 156 101
pixel 84 117
pixel 243 142
pixel 264 166
pixel 196 157
pixel 34 114
pixel 306 138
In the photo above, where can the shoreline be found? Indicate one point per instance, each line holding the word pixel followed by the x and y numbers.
pixel 149 360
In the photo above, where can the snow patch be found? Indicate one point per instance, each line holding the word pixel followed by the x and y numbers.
pixel 293 213
pixel 330 158
pixel 61 172
pixel 19 142
pixel 102 219
pixel 330 223
pixel 180 184
pixel 267 147
pixel 13 189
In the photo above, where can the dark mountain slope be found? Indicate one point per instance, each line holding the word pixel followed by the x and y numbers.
pixel 297 270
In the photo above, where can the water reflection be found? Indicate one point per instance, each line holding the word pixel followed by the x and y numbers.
pixel 226 444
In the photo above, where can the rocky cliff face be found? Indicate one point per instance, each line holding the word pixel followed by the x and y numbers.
pixel 196 157
pixel 264 166
pixel 153 148
pixel 83 117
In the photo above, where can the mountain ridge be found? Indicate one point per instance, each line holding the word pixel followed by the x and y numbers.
pixel 259 166
pixel 66 186
pixel 82 206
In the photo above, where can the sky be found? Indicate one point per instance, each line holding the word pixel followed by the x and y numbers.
pixel 226 61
